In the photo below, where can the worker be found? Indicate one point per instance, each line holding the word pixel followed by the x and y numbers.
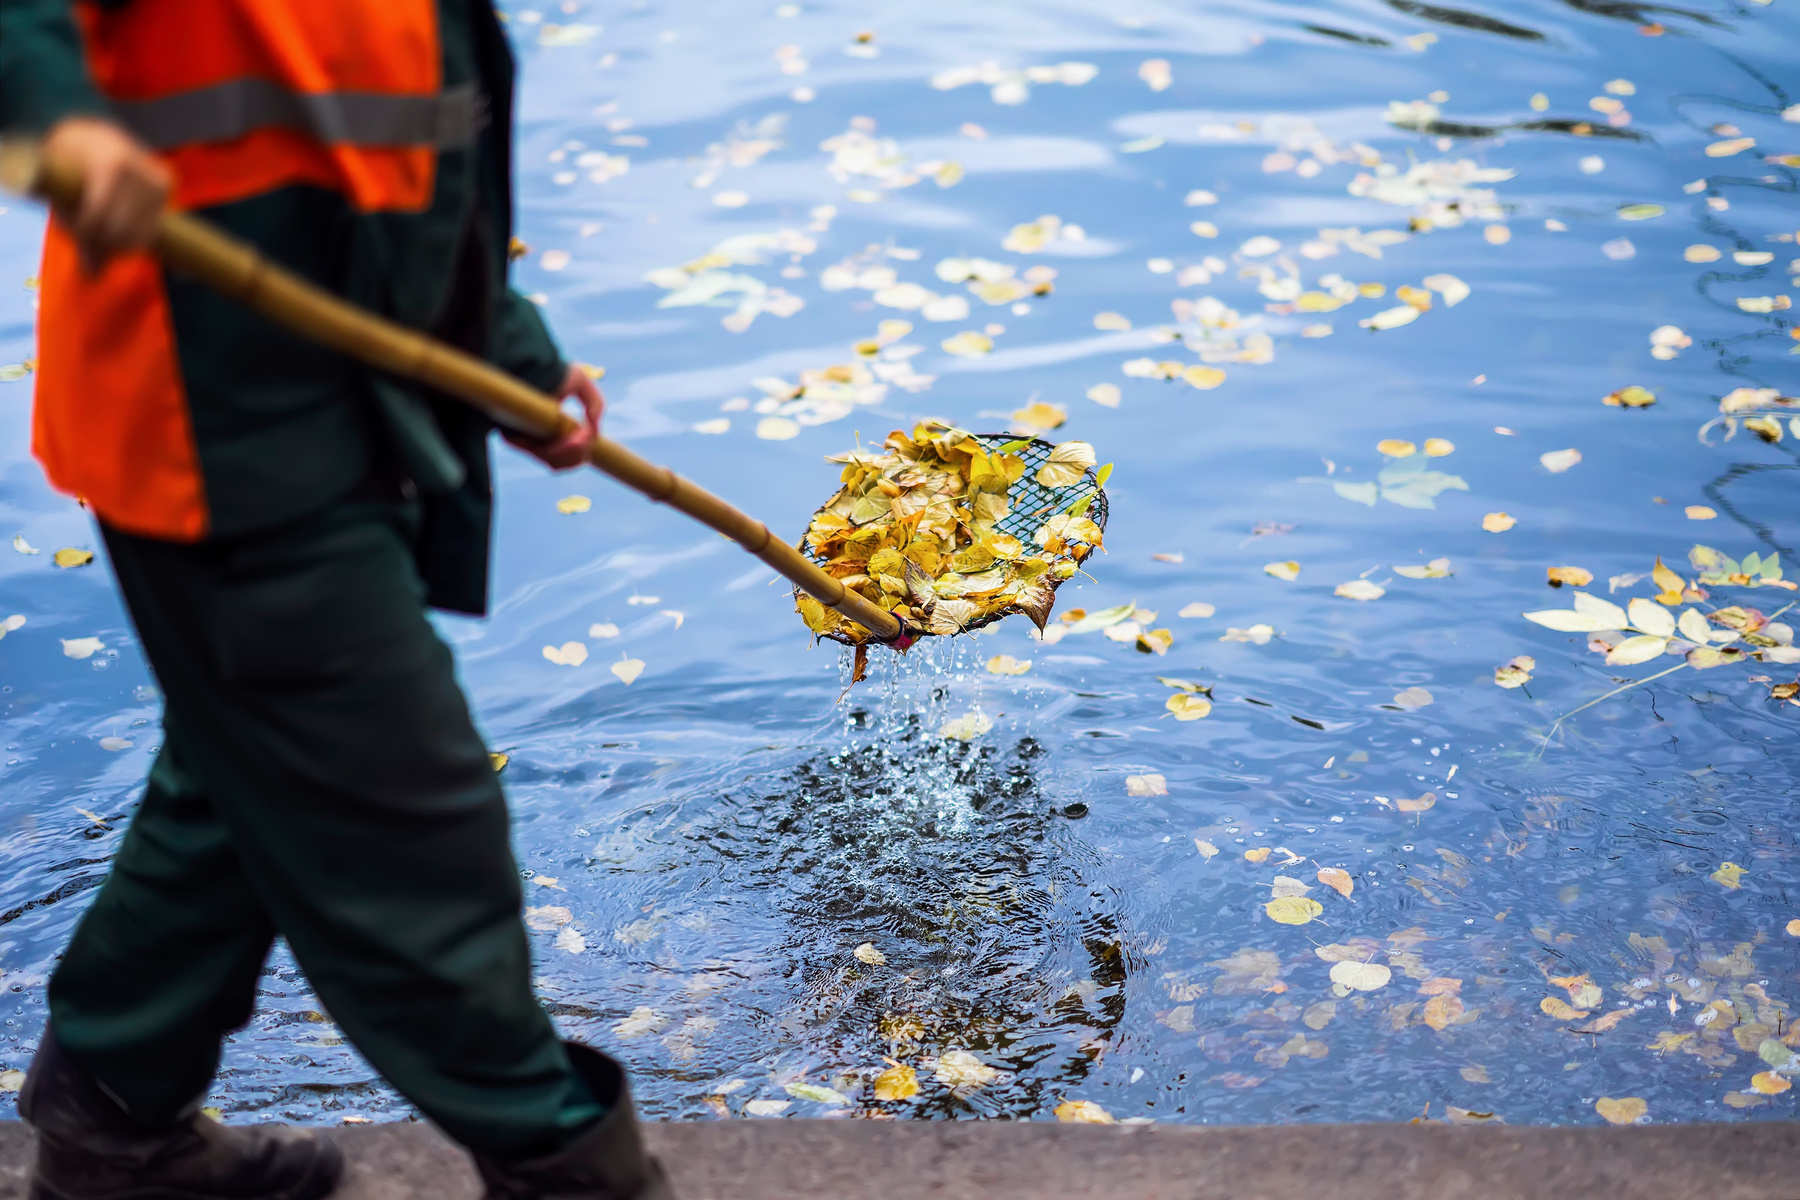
pixel 279 519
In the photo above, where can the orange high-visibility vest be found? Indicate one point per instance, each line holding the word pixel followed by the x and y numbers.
pixel 239 97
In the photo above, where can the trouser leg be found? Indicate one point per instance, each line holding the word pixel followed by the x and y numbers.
pixel 320 715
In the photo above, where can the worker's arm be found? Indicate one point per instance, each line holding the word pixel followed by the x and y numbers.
pixel 45 91
pixel 523 347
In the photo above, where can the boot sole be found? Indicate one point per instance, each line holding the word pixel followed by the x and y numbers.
pixel 326 1173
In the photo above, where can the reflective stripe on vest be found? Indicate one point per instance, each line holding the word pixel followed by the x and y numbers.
pixel 240 97
pixel 225 111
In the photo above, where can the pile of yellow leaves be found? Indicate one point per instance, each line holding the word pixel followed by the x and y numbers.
pixel 915 528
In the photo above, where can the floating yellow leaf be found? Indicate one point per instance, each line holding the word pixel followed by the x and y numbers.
pixel 1606 1023
pixel 1391 318
pixel 573 504
pixel 1769 1083
pixel 1624 1111
pixel 1204 378
pixel 1573 576
pixel 1793 928
pixel 1498 522
pixel 1258 854
pixel 1360 589
pixel 1437 568
pixel 1040 416
pixel 869 954
pixel 1155 641
pixel 968 343
pixel 777 429
pixel 1699 512
pixel 1146 785
pixel 1188 707
pixel 1083 1112
pixel 498 760
pixel 897 1083
pixel 967 727
pixel 1337 879
pixel 1583 991
pixel 1207 849
pixel 1414 806
pixel 1562 1010
pixel 1107 395
pixel 1006 664
pixel 1360 976
pixel 1439 447
pixel 1283 570
pixel 1730 146
pixel 1630 397
pixel 1293 910
pixel 1414 697
pixel 1441 1010
pixel 1516 673
pixel 1396 448
pixel 1729 874
pixel 1112 321
pixel 68 556
pixel 1701 253
pixel 1668 1040
pixel 1198 608
pixel 1671 584
pixel 816 1093
pixel 627 669
pixel 569 654
pixel 1558 461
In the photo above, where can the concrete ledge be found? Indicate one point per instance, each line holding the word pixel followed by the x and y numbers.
pixel 883 1160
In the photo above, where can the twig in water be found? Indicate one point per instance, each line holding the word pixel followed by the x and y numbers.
pixel 1624 688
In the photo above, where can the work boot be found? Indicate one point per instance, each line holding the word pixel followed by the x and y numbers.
pixel 608 1162
pixel 89 1148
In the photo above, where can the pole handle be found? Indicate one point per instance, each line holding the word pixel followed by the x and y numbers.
pixel 236 269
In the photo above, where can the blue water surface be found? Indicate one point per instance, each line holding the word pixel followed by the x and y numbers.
pixel 718 198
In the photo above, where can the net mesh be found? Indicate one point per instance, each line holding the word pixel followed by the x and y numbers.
pixel 1030 505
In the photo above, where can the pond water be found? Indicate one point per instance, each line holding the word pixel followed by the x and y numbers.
pixel 1078 902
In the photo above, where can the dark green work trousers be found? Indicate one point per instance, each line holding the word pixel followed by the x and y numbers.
pixel 320 779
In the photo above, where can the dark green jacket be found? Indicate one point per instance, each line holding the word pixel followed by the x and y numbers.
pixel 284 427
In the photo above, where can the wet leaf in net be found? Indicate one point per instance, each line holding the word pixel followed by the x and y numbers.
pixel 1068 462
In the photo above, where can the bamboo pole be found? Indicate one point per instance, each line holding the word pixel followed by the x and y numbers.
pixel 194 248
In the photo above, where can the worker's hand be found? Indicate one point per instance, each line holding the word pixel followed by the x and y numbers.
pixel 123 192
pixel 572 449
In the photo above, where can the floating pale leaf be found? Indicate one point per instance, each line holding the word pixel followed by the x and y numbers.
pixel 967 727
pixel 777 429
pixel 1573 576
pixel 1699 512
pixel 498 761
pixel 1391 318
pixel 569 654
pixel 1729 874
pixel 1256 634
pixel 1439 447
pixel 1634 650
pixel 573 504
pixel 1769 1083
pixel 1360 976
pixel 1498 522
pixel 605 629
pixel 968 344
pixel 85 647
pixel 1283 570
pixel 1258 854
pixel 1396 448
pixel 1006 664
pixel 1415 806
pixel 1197 609
pixel 1453 290
pixel 1293 910
pixel 959 1068
pixel 627 669
pixel 68 557
pixel 1204 378
pixel 1516 673
pixel 869 954
pixel 1360 589
pixel 1557 461
pixel 1146 785
pixel 1437 568
pixel 1106 395
pixel 1337 879
pixel 816 1093
pixel 1413 697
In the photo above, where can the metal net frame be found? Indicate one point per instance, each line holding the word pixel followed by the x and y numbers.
pixel 1030 505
